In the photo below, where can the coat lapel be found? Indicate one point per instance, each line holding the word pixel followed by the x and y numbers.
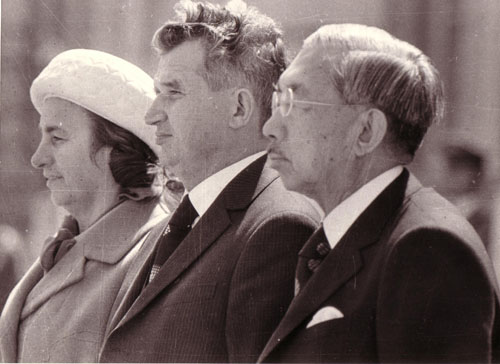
pixel 238 194
pixel 344 261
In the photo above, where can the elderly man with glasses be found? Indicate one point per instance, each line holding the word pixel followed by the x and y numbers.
pixel 394 273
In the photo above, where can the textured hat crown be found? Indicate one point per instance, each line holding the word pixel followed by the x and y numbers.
pixel 102 83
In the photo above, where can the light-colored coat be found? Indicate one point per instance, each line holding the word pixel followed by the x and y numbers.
pixel 62 316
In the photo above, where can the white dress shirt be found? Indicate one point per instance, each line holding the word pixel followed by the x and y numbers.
pixel 340 219
pixel 205 193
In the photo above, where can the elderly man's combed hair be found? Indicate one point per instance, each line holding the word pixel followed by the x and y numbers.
pixel 244 47
pixel 370 66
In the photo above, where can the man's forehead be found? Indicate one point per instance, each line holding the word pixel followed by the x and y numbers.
pixel 303 70
pixel 186 58
pixel 175 73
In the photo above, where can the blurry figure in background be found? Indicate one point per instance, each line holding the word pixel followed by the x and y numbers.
pixel 12 262
pixel 395 273
pixel 99 161
pixel 463 180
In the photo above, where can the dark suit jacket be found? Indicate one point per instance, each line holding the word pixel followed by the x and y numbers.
pixel 223 291
pixel 412 281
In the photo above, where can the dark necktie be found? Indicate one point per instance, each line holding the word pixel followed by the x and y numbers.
pixel 310 257
pixel 54 248
pixel 177 229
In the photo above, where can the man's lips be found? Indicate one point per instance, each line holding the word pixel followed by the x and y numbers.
pixel 275 154
pixel 161 136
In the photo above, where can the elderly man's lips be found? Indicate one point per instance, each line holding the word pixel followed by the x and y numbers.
pixel 160 137
pixel 273 155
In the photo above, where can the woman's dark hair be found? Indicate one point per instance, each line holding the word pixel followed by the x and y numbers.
pixel 133 164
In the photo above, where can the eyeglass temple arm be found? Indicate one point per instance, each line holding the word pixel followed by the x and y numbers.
pixel 312 103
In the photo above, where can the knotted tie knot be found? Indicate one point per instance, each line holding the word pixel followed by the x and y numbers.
pixel 54 248
pixel 310 257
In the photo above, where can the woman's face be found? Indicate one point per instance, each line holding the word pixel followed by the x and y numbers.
pixel 77 180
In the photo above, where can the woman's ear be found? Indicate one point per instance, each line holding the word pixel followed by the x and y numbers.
pixel 102 157
pixel 243 108
pixel 373 127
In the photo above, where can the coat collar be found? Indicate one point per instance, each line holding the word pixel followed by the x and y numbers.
pixel 345 260
pixel 238 194
pixel 112 237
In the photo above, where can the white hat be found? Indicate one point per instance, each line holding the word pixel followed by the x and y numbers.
pixel 107 85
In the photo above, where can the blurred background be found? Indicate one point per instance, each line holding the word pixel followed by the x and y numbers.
pixel 460 157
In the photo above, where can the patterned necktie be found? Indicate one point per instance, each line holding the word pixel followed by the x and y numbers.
pixel 310 257
pixel 54 248
pixel 177 229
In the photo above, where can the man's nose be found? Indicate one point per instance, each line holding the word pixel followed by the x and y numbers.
pixel 155 113
pixel 42 156
pixel 273 127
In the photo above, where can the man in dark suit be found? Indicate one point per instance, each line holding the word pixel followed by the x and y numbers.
pixel 219 282
pixel 394 274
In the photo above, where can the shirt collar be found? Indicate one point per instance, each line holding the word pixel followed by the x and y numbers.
pixel 340 219
pixel 205 193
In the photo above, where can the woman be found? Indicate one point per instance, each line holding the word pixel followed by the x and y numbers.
pixel 97 156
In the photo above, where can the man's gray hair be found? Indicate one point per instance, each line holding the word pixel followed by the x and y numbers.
pixel 370 66
pixel 244 48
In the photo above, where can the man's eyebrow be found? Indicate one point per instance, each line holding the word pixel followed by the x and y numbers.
pixel 175 84
pixel 294 86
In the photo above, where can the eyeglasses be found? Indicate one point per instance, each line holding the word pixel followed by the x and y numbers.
pixel 284 101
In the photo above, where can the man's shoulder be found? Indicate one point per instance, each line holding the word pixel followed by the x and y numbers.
pixel 276 200
pixel 428 215
pixel 426 207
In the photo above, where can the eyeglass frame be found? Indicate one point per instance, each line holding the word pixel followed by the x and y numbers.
pixel 277 104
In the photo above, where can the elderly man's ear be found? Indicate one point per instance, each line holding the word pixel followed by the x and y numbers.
pixel 372 130
pixel 244 106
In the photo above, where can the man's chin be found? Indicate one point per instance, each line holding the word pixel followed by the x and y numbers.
pixel 169 162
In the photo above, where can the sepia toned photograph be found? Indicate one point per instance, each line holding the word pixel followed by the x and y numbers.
pixel 250 181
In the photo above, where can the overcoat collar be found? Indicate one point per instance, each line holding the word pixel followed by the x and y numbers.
pixel 107 241
pixel 237 195
pixel 345 260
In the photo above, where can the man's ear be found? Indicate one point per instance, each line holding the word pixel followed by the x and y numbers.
pixel 373 128
pixel 243 108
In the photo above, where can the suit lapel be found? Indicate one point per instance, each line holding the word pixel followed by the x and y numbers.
pixel 205 232
pixel 238 194
pixel 344 261
pixel 9 323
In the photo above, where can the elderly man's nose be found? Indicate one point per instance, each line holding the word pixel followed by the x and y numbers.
pixel 272 129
